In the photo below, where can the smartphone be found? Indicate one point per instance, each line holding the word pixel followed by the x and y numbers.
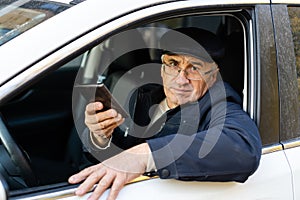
pixel 99 92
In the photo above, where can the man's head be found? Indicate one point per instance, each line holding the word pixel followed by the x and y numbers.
pixel 188 69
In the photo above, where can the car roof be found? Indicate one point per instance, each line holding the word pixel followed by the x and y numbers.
pixel 29 47
pixel 66 26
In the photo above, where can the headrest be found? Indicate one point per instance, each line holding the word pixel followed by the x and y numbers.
pixel 193 41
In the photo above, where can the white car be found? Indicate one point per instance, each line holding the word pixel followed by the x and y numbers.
pixel 46 47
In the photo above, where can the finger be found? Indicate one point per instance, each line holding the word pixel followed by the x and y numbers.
pixel 118 184
pixel 91 108
pixel 106 127
pixel 90 181
pixel 104 184
pixel 104 133
pixel 101 116
pixel 90 112
pixel 107 132
pixel 110 122
pixel 83 174
pixel 108 114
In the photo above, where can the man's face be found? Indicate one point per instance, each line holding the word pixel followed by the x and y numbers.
pixel 183 88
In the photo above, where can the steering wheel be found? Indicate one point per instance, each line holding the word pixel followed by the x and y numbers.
pixel 17 155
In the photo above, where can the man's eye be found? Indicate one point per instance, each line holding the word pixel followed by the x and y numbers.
pixel 194 68
pixel 173 65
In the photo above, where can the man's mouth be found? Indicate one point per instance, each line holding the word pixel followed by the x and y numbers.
pixel 180 90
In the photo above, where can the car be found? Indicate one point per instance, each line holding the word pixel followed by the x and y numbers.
pixel 47 47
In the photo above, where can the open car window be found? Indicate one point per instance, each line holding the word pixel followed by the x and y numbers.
pixel 132 57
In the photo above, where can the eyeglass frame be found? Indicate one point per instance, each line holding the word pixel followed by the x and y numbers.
pixel 186 73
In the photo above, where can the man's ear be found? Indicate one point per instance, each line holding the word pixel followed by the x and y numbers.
pixel 213 77
pixel 161 68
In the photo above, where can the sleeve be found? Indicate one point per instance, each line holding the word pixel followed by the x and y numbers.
pixel 228 149
pixel 105 146
pixel 89 144
pixel 151 164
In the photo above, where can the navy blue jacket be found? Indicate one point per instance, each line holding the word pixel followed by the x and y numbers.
pixel 212 139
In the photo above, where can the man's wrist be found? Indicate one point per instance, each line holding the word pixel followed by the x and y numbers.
pixel 147 159
pixel 100 142
pixel 150 164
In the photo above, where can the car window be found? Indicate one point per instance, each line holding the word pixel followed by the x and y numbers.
pixel 17 17
pixel 294 15
pixel 131 50
pixel 124 61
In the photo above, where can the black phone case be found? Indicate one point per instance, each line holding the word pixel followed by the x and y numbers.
pixel 99 92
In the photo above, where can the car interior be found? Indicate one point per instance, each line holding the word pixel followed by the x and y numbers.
pixel 44 119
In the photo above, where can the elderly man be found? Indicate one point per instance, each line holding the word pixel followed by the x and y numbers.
pixel 198 131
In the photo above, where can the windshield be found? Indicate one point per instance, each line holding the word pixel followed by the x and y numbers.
pixel 18 16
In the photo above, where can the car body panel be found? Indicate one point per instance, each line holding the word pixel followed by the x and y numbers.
pixel 292 155
pixel 285 2
pixel 3 188
pixel 254 188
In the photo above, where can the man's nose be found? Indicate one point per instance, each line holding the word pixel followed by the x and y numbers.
pixel 181 78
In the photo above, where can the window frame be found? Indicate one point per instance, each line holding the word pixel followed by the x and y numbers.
pixel 289 116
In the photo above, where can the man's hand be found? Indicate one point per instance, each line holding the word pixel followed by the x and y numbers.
pixel 101 124
pixel 114 172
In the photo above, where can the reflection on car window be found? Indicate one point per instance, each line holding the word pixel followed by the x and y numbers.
pixel 16 17
pixel 294 14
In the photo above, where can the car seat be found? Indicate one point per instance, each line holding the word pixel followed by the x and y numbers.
pixel 232 65
pixel 106 63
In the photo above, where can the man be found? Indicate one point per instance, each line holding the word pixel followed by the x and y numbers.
pixel 198 131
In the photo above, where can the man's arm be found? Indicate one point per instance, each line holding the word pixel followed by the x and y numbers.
pixel 114 172
pixel 229 150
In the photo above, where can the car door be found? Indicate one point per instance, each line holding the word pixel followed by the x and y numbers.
pixel 255 76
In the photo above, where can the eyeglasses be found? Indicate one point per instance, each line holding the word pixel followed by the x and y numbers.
pixel 191 72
